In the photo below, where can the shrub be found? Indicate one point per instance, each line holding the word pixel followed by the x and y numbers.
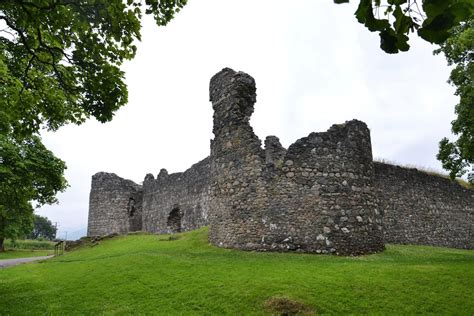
pixel 29 244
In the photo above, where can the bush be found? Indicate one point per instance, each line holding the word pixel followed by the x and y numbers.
pixel 29 244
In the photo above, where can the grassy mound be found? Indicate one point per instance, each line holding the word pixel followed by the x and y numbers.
pixel 161 275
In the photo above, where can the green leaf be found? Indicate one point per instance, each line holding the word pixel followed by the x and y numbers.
pixel 392 43
pixel 365 15
pixel 388 41
pixel 442 16
pixel 397 2
pixel 433 8
pixel 403 24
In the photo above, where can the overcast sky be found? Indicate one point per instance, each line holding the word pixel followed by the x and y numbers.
pixel 314 66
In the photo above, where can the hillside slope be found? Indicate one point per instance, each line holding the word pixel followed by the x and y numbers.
pixel 152 274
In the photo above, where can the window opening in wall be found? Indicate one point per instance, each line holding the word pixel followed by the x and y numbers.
pixel 131 207
pixel 174 220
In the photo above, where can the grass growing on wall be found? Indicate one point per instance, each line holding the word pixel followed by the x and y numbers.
pixel 427 170
pixel 185 275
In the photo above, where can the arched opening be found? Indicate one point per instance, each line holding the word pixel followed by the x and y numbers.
pixel 174 220
pixel 131 207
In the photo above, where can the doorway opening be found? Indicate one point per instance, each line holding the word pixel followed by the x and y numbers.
pixel 174 220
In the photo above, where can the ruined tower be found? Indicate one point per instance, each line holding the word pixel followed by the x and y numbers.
pixel 323 194
pixel 317 196
pixel 114 205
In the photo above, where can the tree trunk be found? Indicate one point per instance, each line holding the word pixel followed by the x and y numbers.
pixel 1 244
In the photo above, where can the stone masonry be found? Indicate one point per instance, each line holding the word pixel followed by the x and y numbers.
pixel 423 209
pixel 176 202
pixel 115 205
pixel 317 196
pixel 324 194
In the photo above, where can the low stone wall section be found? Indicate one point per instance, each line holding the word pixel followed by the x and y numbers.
pixel 424 209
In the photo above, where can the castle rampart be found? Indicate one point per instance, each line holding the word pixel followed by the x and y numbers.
pixel 176 202
pixel 324 194
pixel 424 209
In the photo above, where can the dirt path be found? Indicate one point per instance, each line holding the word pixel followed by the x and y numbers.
pixel 4 263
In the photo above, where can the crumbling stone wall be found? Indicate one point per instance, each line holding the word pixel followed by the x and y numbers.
pixel 316 197
pixel 176 202
pixel 424 209
pixel 115 205
pixel 323 194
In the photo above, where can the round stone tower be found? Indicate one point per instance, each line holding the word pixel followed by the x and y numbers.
pixel 317 196
pixel 115 205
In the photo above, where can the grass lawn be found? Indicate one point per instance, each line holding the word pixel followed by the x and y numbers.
pixel 148 274
pixel 23 253
pixel 29 244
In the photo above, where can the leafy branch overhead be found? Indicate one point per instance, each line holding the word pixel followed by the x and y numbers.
pixel 60 59
pixel 448 23
pixel 396 19
pixel 59 63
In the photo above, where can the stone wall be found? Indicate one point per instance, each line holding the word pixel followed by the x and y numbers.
pixel 424 209
pixel 176 202
pixel 317 196
pixel 323 194
pixel 115 205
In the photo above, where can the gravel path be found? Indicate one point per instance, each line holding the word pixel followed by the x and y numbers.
pixel 4 263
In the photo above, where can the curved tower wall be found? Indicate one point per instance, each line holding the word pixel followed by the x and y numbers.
pixel 317 196
pixel 114 205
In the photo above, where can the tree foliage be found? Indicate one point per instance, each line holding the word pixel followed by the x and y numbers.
pixel 60 59
pixel 396 19
pixel 448 23
pixel 59 63
pixel 42 228
pixel 458 156
pixel 28 172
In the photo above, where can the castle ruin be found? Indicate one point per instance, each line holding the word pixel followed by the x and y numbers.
pixel 324 194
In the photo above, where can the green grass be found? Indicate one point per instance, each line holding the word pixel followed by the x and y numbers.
pixel 427 170
pixel 29 244
pixel 149 274
pixel 22 253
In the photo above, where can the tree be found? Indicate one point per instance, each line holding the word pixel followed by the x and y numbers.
pixel 60 59
pixel 432 20
pixel 28 172
pixel 43 228
pixel 59 63
pixel 458 156
pixel 448 23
